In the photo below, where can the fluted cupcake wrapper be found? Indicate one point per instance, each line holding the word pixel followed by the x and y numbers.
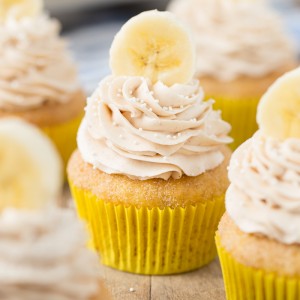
pixel 246 283
pixel 151 241
pixel 64 136
pixel 241 114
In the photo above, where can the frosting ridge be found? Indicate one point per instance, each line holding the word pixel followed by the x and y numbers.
pixel 265 186
pixel 145 130
pixel 235 38
pixel 43 256
pixel 30 72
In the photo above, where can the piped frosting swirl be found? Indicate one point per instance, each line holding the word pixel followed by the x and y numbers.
pixel 35 67
pixel 265 186
pixel 44 256
pixel 145 130
pixel 235 38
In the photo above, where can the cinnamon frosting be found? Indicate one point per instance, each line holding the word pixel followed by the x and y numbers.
pixel 35 66
pixel 43 256
pixel 235 38
pixel 144 130
pixel 264 193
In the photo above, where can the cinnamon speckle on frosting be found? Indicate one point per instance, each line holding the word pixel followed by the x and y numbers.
pixel 35 66
pixel 267 186
pixel 235 38
pixel 183 138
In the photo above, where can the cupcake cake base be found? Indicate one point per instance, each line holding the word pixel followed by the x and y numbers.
pixel 154 226
pixel 255 267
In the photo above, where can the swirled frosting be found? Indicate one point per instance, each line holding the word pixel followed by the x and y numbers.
pixel 264 195
pixel 35 66
pixel 43 256
pixel 235 38
pixel 145 130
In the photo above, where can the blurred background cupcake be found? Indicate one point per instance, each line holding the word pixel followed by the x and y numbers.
pixel 38 79
pixel 43 248
pixel 241 49
pixel 258 238
pixel 44 256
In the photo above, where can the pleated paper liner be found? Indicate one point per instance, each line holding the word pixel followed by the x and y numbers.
pixel 64 136
pixel 241 114
pixel 151 241
pixel 246 283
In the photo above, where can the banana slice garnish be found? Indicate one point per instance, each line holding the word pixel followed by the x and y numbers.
pixel 19 9
pixel 278 114
pixel 154 45
pixel 30 167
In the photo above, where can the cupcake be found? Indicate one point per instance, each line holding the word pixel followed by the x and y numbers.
pixel 38 80
pixel 149 175
pixel 258 238
pixel 241 50
pixel 43 256
pixel 30 166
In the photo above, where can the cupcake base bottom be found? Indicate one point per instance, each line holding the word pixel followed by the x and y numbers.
pixel 151 240
pixel 246 283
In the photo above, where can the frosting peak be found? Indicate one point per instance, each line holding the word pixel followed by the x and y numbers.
pixel 146 130
pixel 43 256
pixel 35 66
pixel 265 178
pixel 235 38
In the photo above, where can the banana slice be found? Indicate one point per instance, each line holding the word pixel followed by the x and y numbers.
pixel 30 168
pixel 278 114
pixel 19 8
pixel 154 45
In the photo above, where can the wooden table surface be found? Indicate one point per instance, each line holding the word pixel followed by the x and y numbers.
pixel 203 284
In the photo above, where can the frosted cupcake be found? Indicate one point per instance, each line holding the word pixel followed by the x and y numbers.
pixel 150 172
pixel 38 80
pixel 241 50
pixel 43 256
pixel 258 238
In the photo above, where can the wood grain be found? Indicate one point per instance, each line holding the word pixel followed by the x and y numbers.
pixel 203 284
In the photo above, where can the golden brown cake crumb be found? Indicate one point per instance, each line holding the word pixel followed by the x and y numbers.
pixel 259 251
pixel 51 113
pixel 120 189
pixel 244 87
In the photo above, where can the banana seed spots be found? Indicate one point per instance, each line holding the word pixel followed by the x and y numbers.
pixel 155 58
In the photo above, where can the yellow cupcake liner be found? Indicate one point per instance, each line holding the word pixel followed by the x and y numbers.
pixel 241 114
pixel 151 241
pixel 64 136
pixel 246 283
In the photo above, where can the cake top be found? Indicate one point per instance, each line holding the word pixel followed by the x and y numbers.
pixel 235 38
pixel 31 172
pixel 149 119
pixel 264 172
pixel 44 256
pixel 35 66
